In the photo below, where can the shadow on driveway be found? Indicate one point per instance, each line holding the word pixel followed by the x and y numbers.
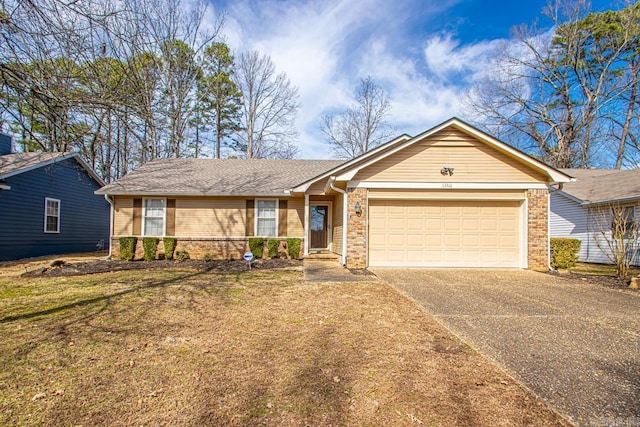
pixel 574 344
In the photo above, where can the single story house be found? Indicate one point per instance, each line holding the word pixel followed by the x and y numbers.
pixel 579 209
pixel 452 196
pixel 48 205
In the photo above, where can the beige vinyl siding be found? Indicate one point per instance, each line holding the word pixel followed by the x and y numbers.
pixel 443 233
pixel 472 160
pixel 295 218
pixel 376 193
pixel 200 217
pixel 317 187
pixel 123 216
pixel 337 225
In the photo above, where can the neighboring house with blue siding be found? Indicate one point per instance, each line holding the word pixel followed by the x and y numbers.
pixel 48 205
pixel 580 209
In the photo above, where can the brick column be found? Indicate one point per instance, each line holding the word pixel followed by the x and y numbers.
pixel 538 223
pixel 357 229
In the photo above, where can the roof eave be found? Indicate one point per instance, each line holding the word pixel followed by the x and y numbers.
pixel 284 193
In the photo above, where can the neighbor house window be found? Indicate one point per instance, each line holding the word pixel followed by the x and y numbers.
pixel 266 218
pixel 51 215
pixel 154 217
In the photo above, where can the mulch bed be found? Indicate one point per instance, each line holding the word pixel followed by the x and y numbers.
pixel 613 282
pixel 59 268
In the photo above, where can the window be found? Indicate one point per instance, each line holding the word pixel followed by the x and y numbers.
pixel 266 218
pixel 51 215
pixel 153 217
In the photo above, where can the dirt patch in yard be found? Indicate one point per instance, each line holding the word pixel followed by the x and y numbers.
pixel 188 347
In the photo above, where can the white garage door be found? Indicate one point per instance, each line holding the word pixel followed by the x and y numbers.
pixel 418 233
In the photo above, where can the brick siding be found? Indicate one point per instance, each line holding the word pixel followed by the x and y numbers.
pixel 357 229
pixel 538 222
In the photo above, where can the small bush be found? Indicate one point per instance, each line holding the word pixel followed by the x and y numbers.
pixel 207 257
pixel 564 252
pixel 293 247
pixel 150 246
pixel 182 256
pixel 272 247
pixel 256 246
pixel 169 246
pixel 128 248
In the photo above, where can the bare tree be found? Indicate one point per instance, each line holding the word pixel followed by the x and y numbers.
pixel 362 126
pixel 269 109
pixel 616 232
pixel 569 96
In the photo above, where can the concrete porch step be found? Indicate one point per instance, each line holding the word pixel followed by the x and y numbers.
pixel 323 255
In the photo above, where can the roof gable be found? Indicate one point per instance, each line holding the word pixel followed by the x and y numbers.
pixel 349 170
pixel 472 161
pixel 18 163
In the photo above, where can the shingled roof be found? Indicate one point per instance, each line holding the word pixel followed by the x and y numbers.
pixel 208 177
pixel 603 185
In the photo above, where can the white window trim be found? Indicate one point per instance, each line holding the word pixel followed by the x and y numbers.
pixel 255 219
pixel 144 216
pixel 47 199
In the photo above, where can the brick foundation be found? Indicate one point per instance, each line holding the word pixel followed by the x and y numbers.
pixel 357 229
pixel 229 248
pixel 538 222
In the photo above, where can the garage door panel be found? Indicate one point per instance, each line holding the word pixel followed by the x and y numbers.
pixel 444 233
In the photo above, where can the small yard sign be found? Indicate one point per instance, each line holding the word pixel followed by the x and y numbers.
pixel 248 256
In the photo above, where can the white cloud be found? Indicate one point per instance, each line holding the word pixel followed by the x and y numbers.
pixel 325 47
pixel 445 56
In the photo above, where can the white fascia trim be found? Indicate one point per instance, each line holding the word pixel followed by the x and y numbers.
pixel 448 185
pixel 609 201
pixel 152 194
pixel 78 158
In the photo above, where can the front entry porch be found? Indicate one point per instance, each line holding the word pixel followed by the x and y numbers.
pixel 323 226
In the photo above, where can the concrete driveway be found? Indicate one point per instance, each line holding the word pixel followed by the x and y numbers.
pixel 574 344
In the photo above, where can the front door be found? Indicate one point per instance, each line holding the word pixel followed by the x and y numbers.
pixel 319 226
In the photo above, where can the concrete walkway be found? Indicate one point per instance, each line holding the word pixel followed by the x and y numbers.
pixel 320 270
pixel 574 344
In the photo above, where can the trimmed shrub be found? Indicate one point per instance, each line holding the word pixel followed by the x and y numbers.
pixel 256 246
pixel 182 256
pixel 207 257
pixel 150 246
pixel 169 246
pixel 564 252
pixel 128 248
pixel 293 247
pixel 272 247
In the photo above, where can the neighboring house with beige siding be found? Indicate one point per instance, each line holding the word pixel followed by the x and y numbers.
pixel 580 209
pixel 452 196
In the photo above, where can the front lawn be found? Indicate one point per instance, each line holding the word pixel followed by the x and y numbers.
pixel 186 347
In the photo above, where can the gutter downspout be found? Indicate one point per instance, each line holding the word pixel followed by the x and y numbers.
pixel 110 201
pixel 345 221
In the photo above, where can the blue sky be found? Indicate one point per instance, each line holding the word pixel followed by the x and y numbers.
pixel 425 53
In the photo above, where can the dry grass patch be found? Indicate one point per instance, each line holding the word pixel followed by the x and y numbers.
pixel 181 347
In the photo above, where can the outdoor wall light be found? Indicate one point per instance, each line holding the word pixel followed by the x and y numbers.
pixel 358 209
pixel 446 171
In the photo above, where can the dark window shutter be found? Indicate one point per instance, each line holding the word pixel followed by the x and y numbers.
pixel 171 217
pixel 137 217
pixel 250 218
pixel 282 218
